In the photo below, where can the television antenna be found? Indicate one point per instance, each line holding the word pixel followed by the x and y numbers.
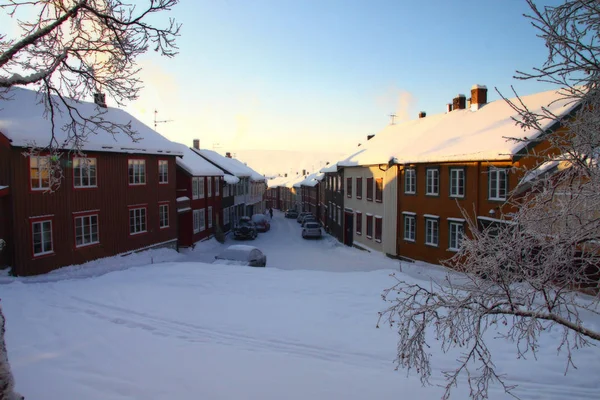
pixel 156 122
pixel 393 119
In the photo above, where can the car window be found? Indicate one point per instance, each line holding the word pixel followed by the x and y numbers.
pixel 312 226
pixel 235 255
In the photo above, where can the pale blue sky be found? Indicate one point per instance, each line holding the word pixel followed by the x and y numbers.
pixel 323 74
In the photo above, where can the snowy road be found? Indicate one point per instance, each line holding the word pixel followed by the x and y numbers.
pixel 298 329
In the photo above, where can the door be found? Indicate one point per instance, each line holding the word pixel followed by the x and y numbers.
pixel 348 228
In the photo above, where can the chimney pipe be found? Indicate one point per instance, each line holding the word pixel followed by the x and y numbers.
pixel 449 107
pixel 303 172
pixel 228 155
pixel 197 144
pixel 422 114
pixel 478 97
pixel 100 99
pixel 285 176
pixel 459 102
pixel 369 137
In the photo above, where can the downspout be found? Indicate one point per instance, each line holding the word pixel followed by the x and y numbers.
pixel 477 184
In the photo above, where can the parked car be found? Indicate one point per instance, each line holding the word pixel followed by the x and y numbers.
pixel 242 255
pixel 291 214
pixel 309 218
pixel 245 229
pixel 302 215
pixel 311 229
pixel 262 222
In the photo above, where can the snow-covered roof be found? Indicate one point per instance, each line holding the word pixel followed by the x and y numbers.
pixel 460 135
pixel 229 165
pixel 313 179
pixel 196 165
pixel 254 176
pixel 23 122
pixel 230 179
pixel 330 168
pixel 183 198
pixel 281 181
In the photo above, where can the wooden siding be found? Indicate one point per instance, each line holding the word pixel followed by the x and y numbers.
pixel 112 198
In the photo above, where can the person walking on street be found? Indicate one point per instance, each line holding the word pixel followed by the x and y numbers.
pixel 271 212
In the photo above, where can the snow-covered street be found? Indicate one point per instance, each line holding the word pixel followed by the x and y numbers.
pixel 302 328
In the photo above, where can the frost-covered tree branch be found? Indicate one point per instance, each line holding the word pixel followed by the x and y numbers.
pixel 540 268
pixel 73 49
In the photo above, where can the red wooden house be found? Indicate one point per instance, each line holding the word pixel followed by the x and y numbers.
pixel 118 197
pixel 199 194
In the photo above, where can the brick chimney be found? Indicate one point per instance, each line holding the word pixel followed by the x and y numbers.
pixel 197 144
pixel 478 97
pixel 100 99
pixel 422 114
pixel 228 155
pixel 303 172
pixel 459 102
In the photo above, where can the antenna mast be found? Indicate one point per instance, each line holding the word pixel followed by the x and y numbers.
pixel 393 119
pixel 156 122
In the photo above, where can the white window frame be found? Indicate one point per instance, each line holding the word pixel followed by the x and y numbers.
pixel 43 240
pixel 210 217
pixel 42 184
pixel 432 182
pixel 201 187
pixel 410 181
pixel 410 228
pixel 163 172
pixel 209 186
pixel 375 229
pixel 432 231
pixel 217 185
pixel 457 182
pixel 196 220
pixel 202 219
pixel 81 171
pixel 454 241
pixel 141 171
pixel 195 188
pixel 137 225
pixel 358 218
pixel 226 216
pixel 86 230
pixel 163 216
pixel 494 190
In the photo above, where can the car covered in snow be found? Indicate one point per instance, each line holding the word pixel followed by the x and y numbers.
pixel 311 229
pixel 301 216
pixel 309 218
pixel 291 214
pixel 245 229
pixel 242 255
pixel 262 222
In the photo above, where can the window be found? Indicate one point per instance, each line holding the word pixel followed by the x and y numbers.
pixel 137 172
pixel 330 211
pixel 457 182
pixel 86 230
pixel 409 228
pixel 84 172
pixel 196 218
pixel 431 231
pixel 39 172
pixel 433 182
pixel 349 187
pixel 359 188
pixel 137 220
pixel 370 189
pixel 217 185
pixel 226 216
pixel 457 231
pixel 163 171
pixel 210 217
pixel 163 215
pixel 369 226
pixel 410 181
pixel 209 186
pixel 358 223
pixel 497 184
pixel 379 190
pixel 339 213
pixel 378 228
pixel 194 188
pixel 42 237
pixel 201 187
pixel 201 220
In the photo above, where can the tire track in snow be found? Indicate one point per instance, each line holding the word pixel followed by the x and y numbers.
pixel 193 333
